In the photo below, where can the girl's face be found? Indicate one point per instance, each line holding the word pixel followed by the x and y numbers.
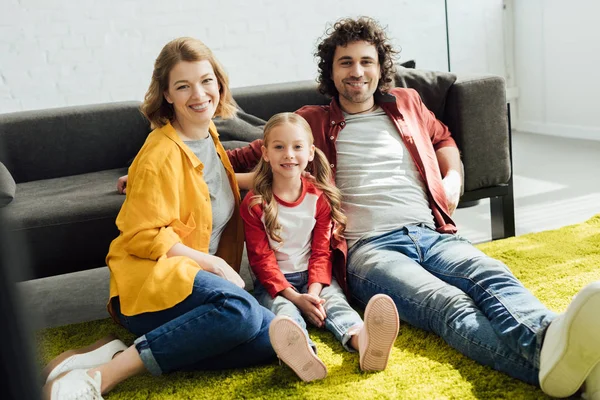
pixel 193 91
pixel 288 150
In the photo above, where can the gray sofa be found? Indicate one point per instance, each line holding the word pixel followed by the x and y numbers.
pixel 64 162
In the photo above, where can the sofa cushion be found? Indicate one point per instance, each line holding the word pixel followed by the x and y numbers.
pixel 433 86
pixel 67 222
pixel 7 186
pixel 242 127
pixel 46 144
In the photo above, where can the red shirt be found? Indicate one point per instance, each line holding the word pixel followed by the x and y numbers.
pixel 306 232
pixel 420 131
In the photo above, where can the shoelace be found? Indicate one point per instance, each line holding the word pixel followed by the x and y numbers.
pixel 87 393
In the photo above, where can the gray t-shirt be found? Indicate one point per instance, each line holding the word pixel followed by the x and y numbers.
pixel 381 188
pixel 221 195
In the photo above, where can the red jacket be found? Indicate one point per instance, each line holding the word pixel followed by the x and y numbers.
pixel 420 131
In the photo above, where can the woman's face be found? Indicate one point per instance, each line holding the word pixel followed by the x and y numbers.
pixel 193 91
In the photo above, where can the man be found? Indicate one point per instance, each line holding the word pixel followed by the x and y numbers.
pixel 398 170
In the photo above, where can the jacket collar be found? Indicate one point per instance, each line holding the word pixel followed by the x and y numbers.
pixel 387 101
pixel 170 132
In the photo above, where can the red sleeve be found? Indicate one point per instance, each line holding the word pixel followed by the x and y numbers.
pixel 438 132
pixel 244 159
pixel 319 264
pixel 260 255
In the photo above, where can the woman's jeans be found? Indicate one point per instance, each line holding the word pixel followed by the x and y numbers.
pixel 340 316
pixel 442 284
pixel 218 326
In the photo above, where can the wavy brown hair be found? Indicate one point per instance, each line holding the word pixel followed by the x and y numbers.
pixel 155 107
pixel 348 30
pixel 263 181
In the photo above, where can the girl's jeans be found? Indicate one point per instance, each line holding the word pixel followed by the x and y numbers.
pixel 340 316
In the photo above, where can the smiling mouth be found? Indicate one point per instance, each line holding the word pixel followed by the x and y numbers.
pixel 200 107
pixel 288 165
pixel 356 84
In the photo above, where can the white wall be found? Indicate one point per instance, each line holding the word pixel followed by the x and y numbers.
pixel 557 55
pixel 66 52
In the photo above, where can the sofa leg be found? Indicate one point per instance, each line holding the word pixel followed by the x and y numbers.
pixel 502 209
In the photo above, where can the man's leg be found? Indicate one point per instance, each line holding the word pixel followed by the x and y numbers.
pixel 388 264
pixel 516 315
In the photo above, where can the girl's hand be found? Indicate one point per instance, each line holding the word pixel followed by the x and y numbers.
pixel 311 307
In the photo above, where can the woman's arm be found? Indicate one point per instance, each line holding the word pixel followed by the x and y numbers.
pixel 207 262
pixel 245 180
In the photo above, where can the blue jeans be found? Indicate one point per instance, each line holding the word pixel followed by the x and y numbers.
pixel 442 284
pixel 340 316
pixel 218 326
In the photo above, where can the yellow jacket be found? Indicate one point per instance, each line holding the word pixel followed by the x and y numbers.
pixel 167 202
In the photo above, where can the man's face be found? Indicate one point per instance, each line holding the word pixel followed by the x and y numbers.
pixel 356 74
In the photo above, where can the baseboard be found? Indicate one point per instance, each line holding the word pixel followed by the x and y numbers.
pixel 566 131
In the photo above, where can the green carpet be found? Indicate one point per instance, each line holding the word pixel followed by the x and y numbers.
pixel 554 265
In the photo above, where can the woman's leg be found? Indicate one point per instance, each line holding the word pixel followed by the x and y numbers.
pixel 215 319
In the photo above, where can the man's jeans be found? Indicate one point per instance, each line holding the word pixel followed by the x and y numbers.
pixel 218 326
pixel 442 284
pixel 340 316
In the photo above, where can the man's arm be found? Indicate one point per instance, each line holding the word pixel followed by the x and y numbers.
pixel 449 161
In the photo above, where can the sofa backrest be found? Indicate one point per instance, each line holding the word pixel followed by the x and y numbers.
pixel 44 144
pixel 264 101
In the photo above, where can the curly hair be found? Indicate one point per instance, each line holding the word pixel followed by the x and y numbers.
pixel 348 30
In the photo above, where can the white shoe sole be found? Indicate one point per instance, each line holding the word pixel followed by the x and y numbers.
pixel 572 346
pixel 379 333
pixel 58 365
pixel 291 345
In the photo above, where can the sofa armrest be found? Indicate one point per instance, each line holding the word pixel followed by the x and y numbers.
pixel 476 114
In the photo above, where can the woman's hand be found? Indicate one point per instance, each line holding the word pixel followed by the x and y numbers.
pixel 219 267
pixel 209 263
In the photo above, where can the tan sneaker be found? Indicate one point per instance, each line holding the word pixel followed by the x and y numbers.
pixel 571 347
pixel 377 337
pixel 74 385
pixel 92 356
pixel 291 345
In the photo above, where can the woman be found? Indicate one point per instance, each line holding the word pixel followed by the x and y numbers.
pixel 174 280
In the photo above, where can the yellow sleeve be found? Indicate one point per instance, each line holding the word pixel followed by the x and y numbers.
pixel 150 219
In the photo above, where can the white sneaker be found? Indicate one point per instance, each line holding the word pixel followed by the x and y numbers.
pixel 92 356
pixel 291 345
pixel 74 385
pixel 592 385
pixel 377 337
pixel 571 346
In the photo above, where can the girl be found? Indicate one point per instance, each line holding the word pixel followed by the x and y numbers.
pixel 289 222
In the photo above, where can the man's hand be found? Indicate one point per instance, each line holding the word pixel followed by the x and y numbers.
pixel 122 184
pixel 452 183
